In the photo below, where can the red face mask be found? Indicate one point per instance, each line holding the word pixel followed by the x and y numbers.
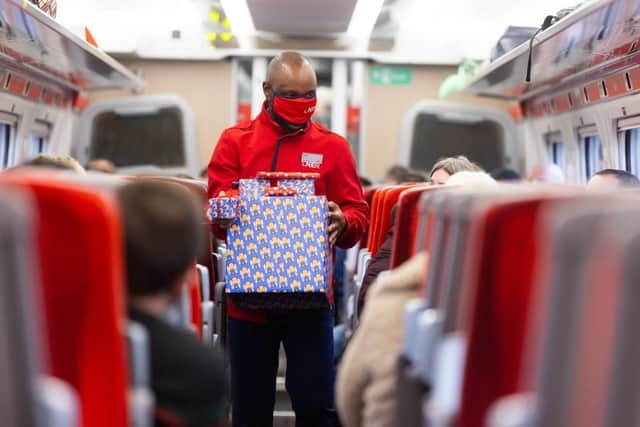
pixel 295 111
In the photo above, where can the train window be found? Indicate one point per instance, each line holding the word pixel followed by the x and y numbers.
pixel 154 138
pixel 436 136
pixel 591 151
pixel 39 139
pixel 8 124
pixel 556 150
pixel 629 144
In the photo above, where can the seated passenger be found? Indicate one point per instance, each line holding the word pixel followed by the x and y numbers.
pixel 608 179
pixel 366 389
pixel 366 383
pixel 444 168
pixel 382 258
pixel 53 162
pixel 549 173
pixel 395 175
pixel 162 234
pixel 415 176
pixel 101 165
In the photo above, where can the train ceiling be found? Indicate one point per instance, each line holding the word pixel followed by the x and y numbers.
pixel 409 31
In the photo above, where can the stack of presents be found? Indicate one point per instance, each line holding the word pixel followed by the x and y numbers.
pixel 278 256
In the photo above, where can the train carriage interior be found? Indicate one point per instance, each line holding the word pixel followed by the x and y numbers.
pixel 447 237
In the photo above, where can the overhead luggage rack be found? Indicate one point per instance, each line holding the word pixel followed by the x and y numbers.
pixel 33 42
pixel 598 39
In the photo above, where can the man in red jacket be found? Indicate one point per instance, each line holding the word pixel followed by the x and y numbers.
pixel 284 138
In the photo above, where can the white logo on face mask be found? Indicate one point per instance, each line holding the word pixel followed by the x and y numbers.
pixel 310 110
pixel 311 160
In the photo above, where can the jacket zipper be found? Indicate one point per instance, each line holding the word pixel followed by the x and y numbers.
pixel 276 153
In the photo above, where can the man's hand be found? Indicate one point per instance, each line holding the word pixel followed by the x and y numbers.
pixel 337 223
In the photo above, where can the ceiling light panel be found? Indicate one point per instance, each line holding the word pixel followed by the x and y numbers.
pixel 301 17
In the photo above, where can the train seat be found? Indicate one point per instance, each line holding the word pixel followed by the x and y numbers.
pixel 423 326
pixel 82 294
pixel 374 208
pixel 581 353
pixel 623 394
pixel 207 306
pixel 24 386
pixel 494 313
pixel 382 220
pixel 431 327
pixel 368 197
pixel 406 225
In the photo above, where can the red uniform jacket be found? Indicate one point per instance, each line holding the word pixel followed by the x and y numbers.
pixel 262 145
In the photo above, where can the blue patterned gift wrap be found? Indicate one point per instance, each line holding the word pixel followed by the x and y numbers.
pixel 224 208
pixel 279 244
pixel 252 188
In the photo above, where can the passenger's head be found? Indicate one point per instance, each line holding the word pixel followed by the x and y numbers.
pixel 415 176
pixel 612 178
pixel 101 165
pixel 506 175
pixel 364 181
pixel 54 162
pixel 444 168
pixel 290 90
pixel 473 179
pixel 549 173
pixel 162 236
pixel 395 175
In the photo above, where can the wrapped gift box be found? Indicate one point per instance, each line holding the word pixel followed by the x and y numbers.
pixel 278 244
pixel 224 208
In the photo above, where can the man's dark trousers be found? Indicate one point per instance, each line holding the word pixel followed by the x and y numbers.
pixel 307 337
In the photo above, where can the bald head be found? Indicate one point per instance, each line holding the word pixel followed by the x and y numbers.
pixel 290 74
pixel 287 62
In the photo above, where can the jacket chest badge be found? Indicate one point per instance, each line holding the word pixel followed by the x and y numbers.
pixel 311 160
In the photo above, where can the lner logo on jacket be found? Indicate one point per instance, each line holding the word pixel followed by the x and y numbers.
pixel 262 145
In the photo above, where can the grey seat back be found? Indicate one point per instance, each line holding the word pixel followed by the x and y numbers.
pixel 624 388
pixel 575 235
pixel 141 400
pixel 20 350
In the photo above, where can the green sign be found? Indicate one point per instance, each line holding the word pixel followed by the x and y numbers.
pixel 390 75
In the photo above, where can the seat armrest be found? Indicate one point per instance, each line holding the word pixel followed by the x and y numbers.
pixel 447 381
pixel 220 321
pixel 141 407
pixel 205 282
pixel 517 410
pixel 220 266
pixel 139 355
pixel 351 260
pixel 412 310
pixel 429 332
pixel 208 322
pixel 140 397
pixel 58 403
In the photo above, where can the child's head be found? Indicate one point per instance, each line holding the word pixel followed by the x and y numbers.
pixel 162 236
